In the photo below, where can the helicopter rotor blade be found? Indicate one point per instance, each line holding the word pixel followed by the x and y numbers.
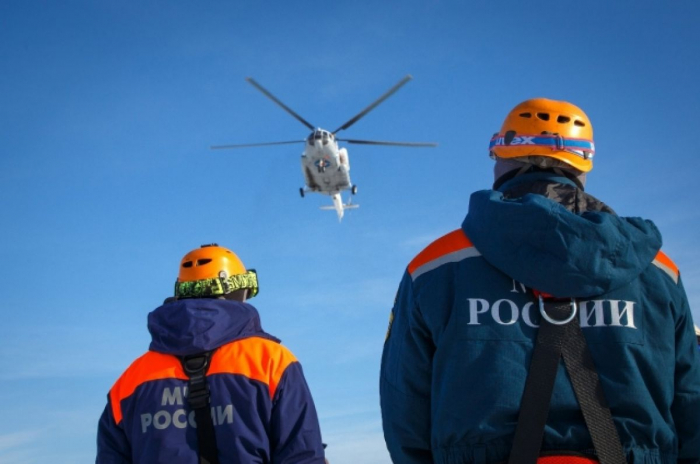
pixel 396 144
pixel 379 100
pixel 245 145
pixel 282 105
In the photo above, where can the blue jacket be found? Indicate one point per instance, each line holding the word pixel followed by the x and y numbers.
pixel 462 328
pixel 261 406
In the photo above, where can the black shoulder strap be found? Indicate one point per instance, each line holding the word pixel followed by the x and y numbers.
pixel 560 335
pixel 196 367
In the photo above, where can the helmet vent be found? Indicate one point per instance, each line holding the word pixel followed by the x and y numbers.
pixel 187 264
pixel 203 261
pixel 543 116
pixel 579 123
pixel 525 115
pixel 563 119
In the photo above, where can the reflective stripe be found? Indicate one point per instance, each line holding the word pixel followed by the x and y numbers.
pixel 256 358
pixel 448 258
pixel 663 262
pixel 449 248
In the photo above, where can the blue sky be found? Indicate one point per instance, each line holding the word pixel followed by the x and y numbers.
pixel 107 110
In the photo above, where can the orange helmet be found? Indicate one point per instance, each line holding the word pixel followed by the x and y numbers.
pixel 211 271
pixel 549 128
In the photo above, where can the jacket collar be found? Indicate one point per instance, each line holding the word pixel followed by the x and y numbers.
pixel 195 325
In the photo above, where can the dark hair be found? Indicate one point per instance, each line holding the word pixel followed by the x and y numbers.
pixel 511 174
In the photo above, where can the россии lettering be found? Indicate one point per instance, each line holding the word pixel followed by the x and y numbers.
pixel 180 418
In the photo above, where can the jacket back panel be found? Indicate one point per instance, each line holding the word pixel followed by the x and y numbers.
pixel 149 403
pixel 469 333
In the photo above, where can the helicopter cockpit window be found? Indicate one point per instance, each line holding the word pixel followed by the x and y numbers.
pixel 325 138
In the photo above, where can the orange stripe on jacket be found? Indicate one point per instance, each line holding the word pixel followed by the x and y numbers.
pixel 663 262
pixel 566 460
pixel 150 366
pixel 256 358
pixel 454 241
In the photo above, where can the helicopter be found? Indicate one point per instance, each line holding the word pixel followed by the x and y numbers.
pixel 325 166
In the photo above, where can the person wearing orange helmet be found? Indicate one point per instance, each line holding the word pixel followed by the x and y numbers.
pixel 541 271
pixel 213 387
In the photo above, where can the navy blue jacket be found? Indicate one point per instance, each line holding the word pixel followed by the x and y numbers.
pixel 460 342
pixel 261 406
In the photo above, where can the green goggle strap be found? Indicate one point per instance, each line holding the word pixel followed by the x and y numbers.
pixel 206 288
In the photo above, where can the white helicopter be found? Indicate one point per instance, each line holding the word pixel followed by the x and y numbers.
pixel 326 167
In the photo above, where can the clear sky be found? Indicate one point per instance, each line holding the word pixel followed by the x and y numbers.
pixel 107 110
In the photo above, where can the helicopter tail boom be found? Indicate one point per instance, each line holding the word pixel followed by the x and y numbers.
pixel 338 206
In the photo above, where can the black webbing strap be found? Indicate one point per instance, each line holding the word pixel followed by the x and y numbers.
pixel 554 340
pixel 196 367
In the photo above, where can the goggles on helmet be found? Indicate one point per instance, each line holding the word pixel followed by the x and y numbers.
pixel 223 285
pixel 579 147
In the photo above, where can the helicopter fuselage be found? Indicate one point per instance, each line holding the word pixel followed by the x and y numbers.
pixel 326 167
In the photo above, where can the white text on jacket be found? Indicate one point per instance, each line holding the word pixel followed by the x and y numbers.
pixel 180 418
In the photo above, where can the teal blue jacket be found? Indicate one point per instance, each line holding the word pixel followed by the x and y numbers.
pixel 460 342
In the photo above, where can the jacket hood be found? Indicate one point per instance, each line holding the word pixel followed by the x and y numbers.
pixel 540 243
pixel 191 326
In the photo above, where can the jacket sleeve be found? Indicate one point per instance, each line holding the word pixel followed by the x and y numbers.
pixel 405 380
pixel 295 432
pixel 686 400
pixel 112 444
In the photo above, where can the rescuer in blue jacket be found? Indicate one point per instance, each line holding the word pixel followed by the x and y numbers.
pixel 260 404
pixel 461 331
